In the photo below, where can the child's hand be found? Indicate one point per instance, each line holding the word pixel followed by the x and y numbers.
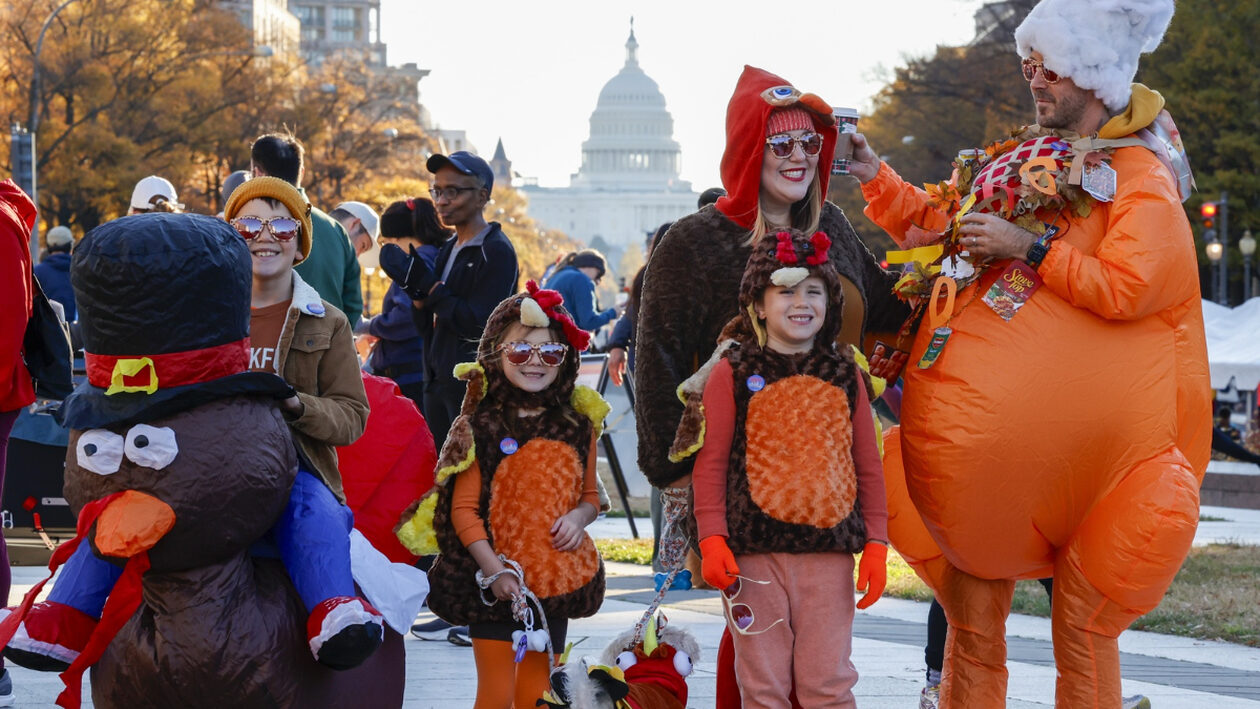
pixel 566 533
pixel 872 573
pixel 717 563
pixel 506 587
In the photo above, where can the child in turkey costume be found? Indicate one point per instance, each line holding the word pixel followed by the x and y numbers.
pixel 516 483
pixel 787 481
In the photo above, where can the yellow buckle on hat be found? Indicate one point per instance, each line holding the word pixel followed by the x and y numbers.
pixel 130 368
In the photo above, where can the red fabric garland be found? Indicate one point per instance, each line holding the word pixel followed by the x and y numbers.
pixel 822 244
pixel 785 252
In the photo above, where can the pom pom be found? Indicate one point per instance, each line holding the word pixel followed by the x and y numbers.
pixel 785 252
pixel 822 244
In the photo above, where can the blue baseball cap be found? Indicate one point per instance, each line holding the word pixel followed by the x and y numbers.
pixel 466 163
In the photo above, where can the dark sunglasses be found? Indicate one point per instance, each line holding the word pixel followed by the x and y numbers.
pixel 783 144
pixel 1030 67
pixel 550 354
pixel 283 228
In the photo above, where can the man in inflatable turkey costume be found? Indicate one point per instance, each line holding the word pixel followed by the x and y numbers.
pixel 1056 419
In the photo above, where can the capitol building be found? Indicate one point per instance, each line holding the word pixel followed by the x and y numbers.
pixel 628 183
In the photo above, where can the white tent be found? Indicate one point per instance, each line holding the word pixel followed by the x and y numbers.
pixel 1233 341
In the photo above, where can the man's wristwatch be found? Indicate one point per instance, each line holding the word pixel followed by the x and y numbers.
pixel 1036 253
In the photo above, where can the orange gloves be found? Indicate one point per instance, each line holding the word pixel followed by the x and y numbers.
pixel 717 563
pixel 872 572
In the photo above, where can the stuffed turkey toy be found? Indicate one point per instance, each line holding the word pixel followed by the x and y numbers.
pixel 178 462
pixel 651 674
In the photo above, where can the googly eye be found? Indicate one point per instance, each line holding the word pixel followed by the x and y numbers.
pixel 99 451
pixel 682 663
pixel 151 447
pixel 626 660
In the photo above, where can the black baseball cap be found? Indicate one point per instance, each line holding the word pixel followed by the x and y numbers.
pixel 466 163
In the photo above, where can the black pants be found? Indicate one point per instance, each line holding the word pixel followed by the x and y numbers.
pixel 937 626
pixel 442 399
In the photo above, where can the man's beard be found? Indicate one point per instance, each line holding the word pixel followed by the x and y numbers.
pixel 1065 112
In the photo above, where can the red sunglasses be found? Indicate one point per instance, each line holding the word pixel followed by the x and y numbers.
pixel 550 354
pixel 1030 67
pixel 783 144
pixel 283 228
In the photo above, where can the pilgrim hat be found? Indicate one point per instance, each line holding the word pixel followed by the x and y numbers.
pixel 164 313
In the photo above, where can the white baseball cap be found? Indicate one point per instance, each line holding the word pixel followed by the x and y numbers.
pixel 149 188
pixel 366 215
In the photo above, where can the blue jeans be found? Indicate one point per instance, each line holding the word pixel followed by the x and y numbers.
pixel 311 538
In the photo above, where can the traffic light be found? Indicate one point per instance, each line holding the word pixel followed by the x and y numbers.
pixel 1208 211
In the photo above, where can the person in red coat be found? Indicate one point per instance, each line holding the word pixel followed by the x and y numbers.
pixel 17 217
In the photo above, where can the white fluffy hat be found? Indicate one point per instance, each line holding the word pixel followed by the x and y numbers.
pixel 1096 43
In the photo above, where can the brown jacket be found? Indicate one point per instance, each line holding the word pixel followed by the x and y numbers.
pixel 316 356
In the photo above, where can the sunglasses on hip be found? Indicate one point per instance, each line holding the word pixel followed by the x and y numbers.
pixel 1030 67
pixel 741 614
pixel 250 228
pixel 550 354
pixel 783 144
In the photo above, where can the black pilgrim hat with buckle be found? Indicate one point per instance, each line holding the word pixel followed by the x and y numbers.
pixel 164 313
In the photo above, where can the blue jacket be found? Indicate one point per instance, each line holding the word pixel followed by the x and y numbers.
pixel 456 311
pixel 579 298
pixel 54 277
pixel 399 354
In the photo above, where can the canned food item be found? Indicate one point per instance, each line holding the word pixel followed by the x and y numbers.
pixel 969 156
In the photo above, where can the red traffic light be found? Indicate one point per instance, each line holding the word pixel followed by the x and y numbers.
pixel 1208 210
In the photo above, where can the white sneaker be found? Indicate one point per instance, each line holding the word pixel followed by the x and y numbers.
pixel 931 696
pixel 1137 701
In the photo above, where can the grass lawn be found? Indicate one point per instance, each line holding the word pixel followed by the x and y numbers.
pixel 1214 596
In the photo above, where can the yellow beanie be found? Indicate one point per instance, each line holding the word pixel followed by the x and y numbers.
pixel 278 189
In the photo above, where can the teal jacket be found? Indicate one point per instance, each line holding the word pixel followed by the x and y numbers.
pixel 332 268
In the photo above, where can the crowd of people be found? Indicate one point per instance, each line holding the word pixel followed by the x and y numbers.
pixel 744 344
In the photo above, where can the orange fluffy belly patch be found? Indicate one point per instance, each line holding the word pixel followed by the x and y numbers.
pixel 799 452
pixel 531 489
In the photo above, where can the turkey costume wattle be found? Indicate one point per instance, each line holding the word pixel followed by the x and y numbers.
pixel 1070 438
pixel 178 461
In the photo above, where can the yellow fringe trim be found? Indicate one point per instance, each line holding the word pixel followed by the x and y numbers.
pixel 590 404
pixel 460 466
pixel 877 383
pixel 691 449
pixel 417 534
pixel 463 369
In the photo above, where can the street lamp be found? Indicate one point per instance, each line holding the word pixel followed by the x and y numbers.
pixel 1214 251
pixel 1247 245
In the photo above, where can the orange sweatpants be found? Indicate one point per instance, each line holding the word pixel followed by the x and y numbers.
pixel 504 684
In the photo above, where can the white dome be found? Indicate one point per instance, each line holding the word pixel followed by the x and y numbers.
pixel 632 133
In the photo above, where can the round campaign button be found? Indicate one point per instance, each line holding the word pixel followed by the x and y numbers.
pixel 316 308
pixel 508 446
pixel 756 383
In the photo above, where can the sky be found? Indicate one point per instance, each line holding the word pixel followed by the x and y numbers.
pixel 530 72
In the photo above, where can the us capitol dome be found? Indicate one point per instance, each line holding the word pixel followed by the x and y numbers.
pixel 628 181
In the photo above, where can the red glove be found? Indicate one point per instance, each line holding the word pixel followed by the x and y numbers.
pixel 717 563
pixel 872 572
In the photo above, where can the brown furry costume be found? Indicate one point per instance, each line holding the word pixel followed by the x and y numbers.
pixel 690 292
pixel 521 494
pixel 791 485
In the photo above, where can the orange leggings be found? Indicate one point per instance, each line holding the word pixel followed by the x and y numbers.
pixel 504 684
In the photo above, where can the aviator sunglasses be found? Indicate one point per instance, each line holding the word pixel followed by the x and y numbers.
pixel 1030 67
pixel 550 354
pixel 250 228
pixel 783 144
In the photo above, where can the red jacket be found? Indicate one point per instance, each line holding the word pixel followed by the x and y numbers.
pixel 17 217
pixel 390 465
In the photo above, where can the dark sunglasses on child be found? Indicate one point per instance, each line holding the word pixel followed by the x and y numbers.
pixel 282 228
pixel 783 144
pixel 550 354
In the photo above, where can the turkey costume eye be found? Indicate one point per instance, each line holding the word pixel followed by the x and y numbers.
pixel 151 447
pixel 626 660
pixel 99 451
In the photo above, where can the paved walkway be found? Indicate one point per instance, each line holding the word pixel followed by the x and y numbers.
pixel 1176 673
